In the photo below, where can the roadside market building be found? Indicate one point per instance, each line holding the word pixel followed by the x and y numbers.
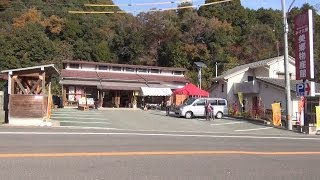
pixel 118 85
pixel 253 87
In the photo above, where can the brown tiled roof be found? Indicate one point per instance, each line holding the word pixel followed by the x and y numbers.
pixel 79 74
pixel 120 76
pixel 124 65
pixel 164 78
pixel 113 76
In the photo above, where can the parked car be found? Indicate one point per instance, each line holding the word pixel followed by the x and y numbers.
pixel 195 107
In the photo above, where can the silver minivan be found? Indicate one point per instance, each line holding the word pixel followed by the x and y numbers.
pixel 195 107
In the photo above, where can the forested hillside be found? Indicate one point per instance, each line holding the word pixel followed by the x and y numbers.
pixel 34 32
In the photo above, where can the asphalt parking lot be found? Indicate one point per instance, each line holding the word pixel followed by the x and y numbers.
pixel 154 120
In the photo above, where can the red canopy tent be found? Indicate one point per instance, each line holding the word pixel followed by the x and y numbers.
pixel 191 90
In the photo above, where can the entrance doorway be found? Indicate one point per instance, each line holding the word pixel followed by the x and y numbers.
pixel 116 98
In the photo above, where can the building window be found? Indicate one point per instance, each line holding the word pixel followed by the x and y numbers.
pixel 103 68
pixel 155 71
pixel 74 66
pixel 128 69
pixel 222 87
pixel 116 68
pixel 142 70
pixel 250 78
pixel 177 73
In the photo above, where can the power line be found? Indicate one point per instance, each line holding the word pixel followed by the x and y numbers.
pixel 138 4
pixel 166 9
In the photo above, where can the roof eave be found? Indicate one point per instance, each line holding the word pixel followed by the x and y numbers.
pixel 236 73
pixel 32 68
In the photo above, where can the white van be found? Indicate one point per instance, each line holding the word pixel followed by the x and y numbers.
pixel 195 107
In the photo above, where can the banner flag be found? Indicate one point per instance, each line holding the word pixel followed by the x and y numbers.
pixel 318 117
pixel 276 114
pixel 240 96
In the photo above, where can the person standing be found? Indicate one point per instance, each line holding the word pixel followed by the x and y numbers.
pixel 209 111
pixel 206 110
pixel 212 114
pixel 168 106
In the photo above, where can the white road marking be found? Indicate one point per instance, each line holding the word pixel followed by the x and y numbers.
pixel 87 127
pixel 87 122
pixel 256 129
pixel 78 114
pixel 162 131
pixel 226 123
pixel 163 135
pixel 84 118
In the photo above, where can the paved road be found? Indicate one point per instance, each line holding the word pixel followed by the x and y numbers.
pixel 156 121
pixel 73 154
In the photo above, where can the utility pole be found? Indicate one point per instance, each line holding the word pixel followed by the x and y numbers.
pixel 199 66
pixel 286 66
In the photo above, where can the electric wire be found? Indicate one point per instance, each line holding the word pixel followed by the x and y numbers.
pixel 152 10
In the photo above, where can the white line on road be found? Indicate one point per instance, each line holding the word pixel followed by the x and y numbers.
pixel 86 122
pixel 87 127
pixel 163 135
pixel 78 114
pixel 78 118
pixel 256 129
pixel 226 123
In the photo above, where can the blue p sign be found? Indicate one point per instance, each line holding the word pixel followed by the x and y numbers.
pixel 300 89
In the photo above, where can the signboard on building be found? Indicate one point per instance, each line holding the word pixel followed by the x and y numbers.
pixel 305 89
pixel 300 89
pixel 303 34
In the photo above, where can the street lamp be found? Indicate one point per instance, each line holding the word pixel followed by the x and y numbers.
pixel 200 65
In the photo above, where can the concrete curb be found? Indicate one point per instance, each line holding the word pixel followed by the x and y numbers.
pixel 266 123
pixel 253 120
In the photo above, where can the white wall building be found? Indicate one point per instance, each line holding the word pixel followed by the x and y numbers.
pixel 261 83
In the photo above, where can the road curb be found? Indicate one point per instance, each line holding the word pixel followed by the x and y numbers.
pixel 266 123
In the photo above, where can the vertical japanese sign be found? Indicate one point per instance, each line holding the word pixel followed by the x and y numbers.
pixel 303 32
pixel 318 117
pixel 276 114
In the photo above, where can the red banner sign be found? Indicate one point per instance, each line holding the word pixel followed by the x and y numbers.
pixel 303 32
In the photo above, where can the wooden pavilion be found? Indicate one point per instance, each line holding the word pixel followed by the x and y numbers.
pixel 29 91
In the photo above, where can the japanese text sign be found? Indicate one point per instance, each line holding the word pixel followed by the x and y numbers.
pixel 303 33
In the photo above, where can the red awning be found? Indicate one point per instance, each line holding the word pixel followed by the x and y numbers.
pixel 191 90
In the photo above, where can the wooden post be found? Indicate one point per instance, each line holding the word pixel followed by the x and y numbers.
pixel 10 84
pixel 134 99
pixel 64 95
pixel 117 99
pixel 43 76
pixel 100 98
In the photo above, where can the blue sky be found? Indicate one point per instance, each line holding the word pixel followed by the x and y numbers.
pixel 253 4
